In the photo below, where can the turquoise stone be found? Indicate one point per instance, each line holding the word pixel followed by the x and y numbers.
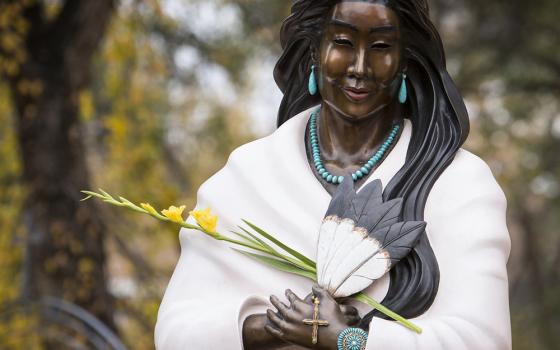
pixel 340 179
pixel 329 178
pixel 403 93
pixel 359 174
pixel 312 87
pixel 325 174
pixel 354 177
pixel 364 170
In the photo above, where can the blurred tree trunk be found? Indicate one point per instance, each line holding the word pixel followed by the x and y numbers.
pixel 64 248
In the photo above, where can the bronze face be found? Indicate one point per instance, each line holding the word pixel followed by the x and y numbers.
pixel 360 59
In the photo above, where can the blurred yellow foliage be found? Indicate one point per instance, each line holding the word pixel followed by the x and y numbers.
pixel 87 108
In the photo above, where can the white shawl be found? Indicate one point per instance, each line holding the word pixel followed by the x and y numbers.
pixel 270 183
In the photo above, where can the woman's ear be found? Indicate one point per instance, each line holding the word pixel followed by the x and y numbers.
pixel 314 55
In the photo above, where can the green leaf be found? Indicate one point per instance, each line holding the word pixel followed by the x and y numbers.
pixel 276 253
pixel 279 264
pixel 366 299
pixel 263 243
pixel 245 238
pixel 293 252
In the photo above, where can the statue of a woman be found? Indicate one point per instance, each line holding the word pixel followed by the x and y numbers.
pixel 367 96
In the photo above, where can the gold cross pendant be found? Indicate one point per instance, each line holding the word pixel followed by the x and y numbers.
pixel 315 322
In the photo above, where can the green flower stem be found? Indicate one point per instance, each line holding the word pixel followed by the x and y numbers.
pixel 291 251
pixel 256 245
pixel 376 305
pixel 243 244
pixel 296 259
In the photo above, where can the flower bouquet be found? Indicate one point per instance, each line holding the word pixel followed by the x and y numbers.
pixel 359 240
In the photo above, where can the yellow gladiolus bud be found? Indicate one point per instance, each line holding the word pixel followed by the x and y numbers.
pixel 149 208
pixel 174 214
pixel 205 219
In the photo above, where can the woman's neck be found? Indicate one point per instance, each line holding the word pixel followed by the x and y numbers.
pixel 346 142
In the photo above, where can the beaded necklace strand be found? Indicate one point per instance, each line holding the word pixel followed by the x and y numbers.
pixel 363 171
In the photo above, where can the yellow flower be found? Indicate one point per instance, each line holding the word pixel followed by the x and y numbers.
pixel 149 208
pixel 205 219
pixel 174 213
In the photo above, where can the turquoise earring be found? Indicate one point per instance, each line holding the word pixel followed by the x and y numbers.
pixel 312 81
pixel 403 93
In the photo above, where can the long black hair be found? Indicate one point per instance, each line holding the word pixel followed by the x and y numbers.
pixel 440 125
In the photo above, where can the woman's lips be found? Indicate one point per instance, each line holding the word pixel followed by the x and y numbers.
pixel 356 94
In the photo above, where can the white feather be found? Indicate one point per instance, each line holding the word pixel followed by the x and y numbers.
pixel 341 234
pixel 324 241
pixel 356 271
pixel 352 238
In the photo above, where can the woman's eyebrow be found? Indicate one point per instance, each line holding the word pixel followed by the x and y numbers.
pixel 383 29
pixel 379 29
pixel 338 22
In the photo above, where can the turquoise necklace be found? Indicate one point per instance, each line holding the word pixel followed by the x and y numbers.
pixel 363 171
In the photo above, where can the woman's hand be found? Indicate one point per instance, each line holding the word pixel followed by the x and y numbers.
pixel 255 337
pixel 287 323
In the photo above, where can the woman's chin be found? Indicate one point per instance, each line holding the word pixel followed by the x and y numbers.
pixel 353 111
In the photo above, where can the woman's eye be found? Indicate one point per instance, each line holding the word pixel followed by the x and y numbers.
pixel 344 42
pixel 380 46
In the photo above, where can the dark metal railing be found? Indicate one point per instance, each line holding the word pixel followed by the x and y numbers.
pixel 63 325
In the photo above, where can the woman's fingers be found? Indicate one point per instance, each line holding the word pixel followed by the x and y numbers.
pixel 296 303
pixel 276 320
pixel 351 314
pixel 292 297
pixel 352 320
pixel 274 331
pixel 282 308
pixel 320 292
pixel 324 296
pixel 348 310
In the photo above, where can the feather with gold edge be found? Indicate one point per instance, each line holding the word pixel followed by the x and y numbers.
pixel 361 238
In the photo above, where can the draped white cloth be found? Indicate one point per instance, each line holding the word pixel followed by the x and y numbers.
pixel 270 183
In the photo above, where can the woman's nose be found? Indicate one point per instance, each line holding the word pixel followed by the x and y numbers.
pixel 359 67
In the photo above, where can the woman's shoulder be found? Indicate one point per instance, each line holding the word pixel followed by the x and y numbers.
pixel 467 178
